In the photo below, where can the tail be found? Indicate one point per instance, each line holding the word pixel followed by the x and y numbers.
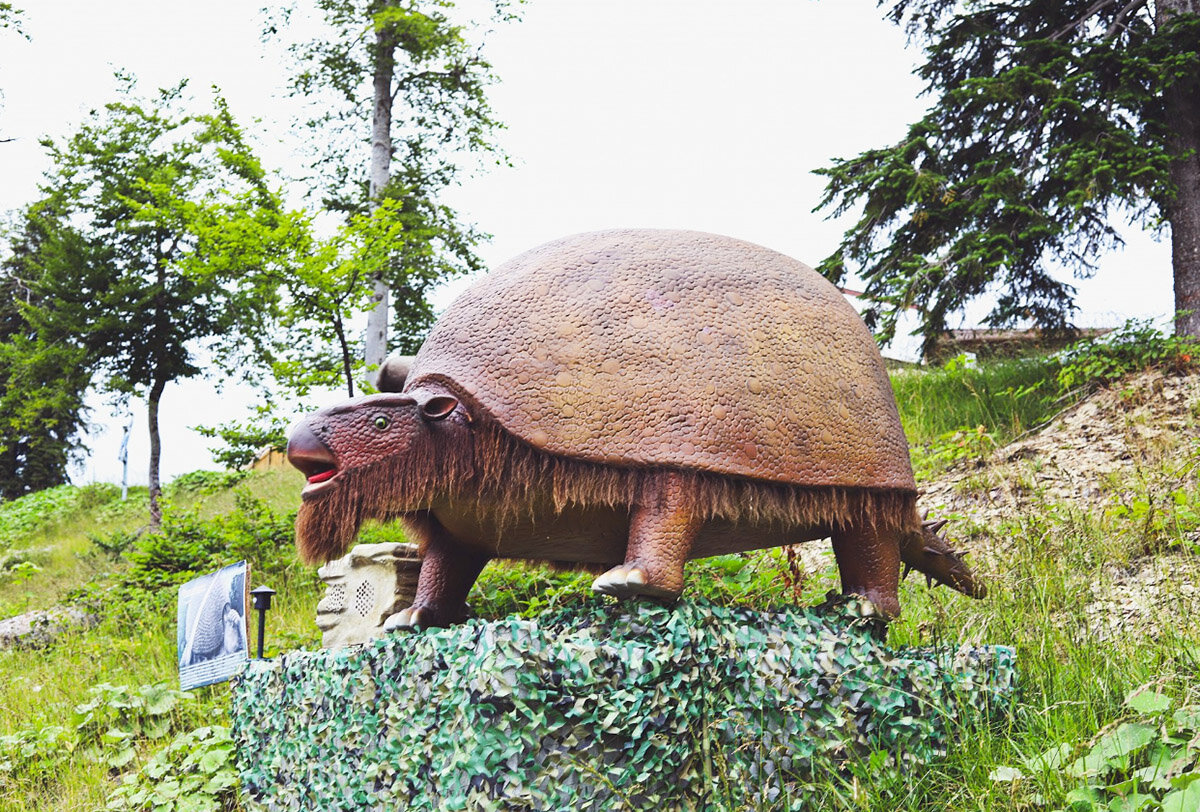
pixel 929 553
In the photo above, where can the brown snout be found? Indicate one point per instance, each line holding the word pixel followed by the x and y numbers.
pixel 310 455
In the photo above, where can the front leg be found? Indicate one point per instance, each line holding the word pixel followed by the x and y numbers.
pixel 448 570
pixel 662 527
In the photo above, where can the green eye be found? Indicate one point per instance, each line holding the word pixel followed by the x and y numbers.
pixel 380 422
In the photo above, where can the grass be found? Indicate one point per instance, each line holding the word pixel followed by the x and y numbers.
pixel 1008 397
pixel 1049 563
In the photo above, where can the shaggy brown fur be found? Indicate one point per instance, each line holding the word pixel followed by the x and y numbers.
pixel 487 467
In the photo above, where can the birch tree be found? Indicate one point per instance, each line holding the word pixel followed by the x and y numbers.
pixel 399 90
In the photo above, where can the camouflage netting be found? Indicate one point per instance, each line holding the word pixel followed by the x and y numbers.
pixel 616 707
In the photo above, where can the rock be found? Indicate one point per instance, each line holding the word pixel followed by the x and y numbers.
pixel 41 626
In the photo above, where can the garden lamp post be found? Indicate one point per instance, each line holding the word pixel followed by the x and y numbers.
pixel 262 602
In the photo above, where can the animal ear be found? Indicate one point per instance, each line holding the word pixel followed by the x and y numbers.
pixel 439 407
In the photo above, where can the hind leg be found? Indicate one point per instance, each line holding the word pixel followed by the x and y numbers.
pixel 448 570
pixel 868 560
pixel 661 531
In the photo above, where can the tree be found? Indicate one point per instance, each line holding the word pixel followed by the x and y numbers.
pixel 42 385
pixel 414 74
pixel 1050 122
pixel 326 289
pixel 153 204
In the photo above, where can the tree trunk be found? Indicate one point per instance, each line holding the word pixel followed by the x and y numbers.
pixel 1182 102
pixel 345 348
pixel 381 159
pixel 155 452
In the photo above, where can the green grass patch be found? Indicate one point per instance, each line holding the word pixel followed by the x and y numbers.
pixel 1007 397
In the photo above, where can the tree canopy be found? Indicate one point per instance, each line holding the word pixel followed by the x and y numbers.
pixel 1051 122
pixel 143 262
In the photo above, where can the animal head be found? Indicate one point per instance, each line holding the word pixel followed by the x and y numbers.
pixel 375 457
pixel 941 562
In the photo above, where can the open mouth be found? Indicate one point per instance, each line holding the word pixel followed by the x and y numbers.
pixel 314 459
pixel 319 482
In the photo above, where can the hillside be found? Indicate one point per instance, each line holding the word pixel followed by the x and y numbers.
pixel 1087 529
pixel 1123 462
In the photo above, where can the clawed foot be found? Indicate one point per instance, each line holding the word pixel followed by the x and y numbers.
pixel 409 619
pixel 629 582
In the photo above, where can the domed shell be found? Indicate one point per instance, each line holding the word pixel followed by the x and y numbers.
pixel 679 349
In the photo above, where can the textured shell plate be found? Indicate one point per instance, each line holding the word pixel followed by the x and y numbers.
pixel 679 349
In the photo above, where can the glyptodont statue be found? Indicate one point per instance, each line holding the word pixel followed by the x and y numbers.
pixel 627 400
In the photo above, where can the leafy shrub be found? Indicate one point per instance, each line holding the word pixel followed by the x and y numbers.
pixel 517 588
pixel 963 445
pixel 108 729
pixel 1160 520
pixel 35 511
pixel 194 773
pixel 1134 346
pixel 115 544
pixel 243 442
pixel 111 725
pixel 1147 760
pixel 205 482
pixel 31 760
pixel 18 567
pixel 185 547
pixel 528 589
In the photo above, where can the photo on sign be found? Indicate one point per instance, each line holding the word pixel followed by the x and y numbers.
pixel 211 632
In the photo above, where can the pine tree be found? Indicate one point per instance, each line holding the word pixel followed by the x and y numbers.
pixel 1051 122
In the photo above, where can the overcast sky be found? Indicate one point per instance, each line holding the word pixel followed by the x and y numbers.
pixel 661 113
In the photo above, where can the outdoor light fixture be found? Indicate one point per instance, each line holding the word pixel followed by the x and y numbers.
pixel 262 602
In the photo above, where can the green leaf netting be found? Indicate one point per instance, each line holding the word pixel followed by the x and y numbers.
pixel 610 707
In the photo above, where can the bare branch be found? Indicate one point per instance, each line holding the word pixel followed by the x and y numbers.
pixel 1119 21
pixel 1092 10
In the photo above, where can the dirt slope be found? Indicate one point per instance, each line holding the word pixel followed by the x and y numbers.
pixel 1116 459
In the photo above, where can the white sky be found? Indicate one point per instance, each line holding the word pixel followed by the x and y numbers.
pixel 661 113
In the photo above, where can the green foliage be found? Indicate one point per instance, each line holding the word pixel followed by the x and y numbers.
pixel 205 482
pixel 1134 346
pixel 953 448
pixel 1007 397
pixel 243 441
pixel 32 513
pixel 10 17
pixel 42 386
pixel 1047 118
pixel 112 729
pixel 1161 522
pixel 604 707
pixel 194 773
pixel 435 106
pixel 526 590
pixel 31 760
pixel 1146 760
pixel 185 547
pixel 117 720
pixel 138 264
